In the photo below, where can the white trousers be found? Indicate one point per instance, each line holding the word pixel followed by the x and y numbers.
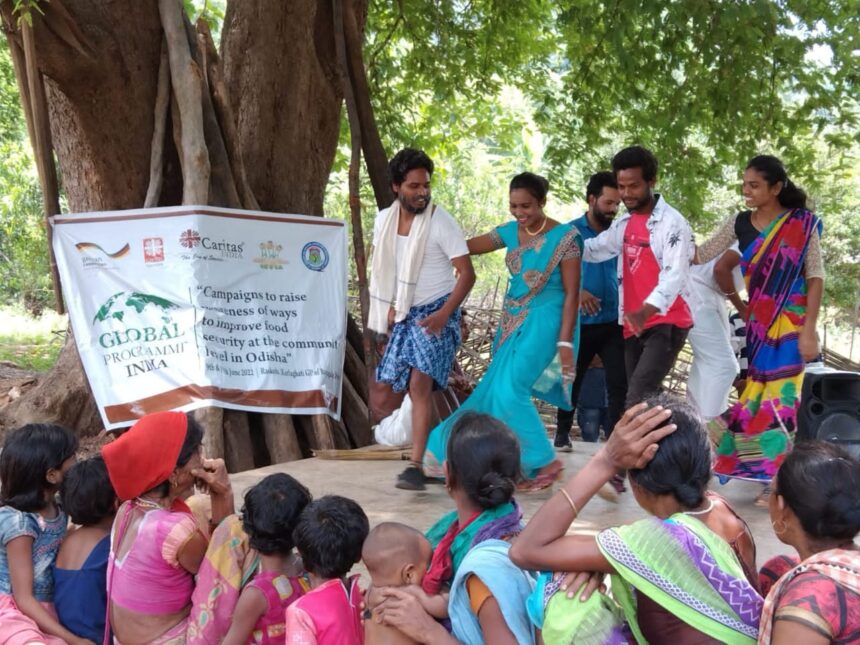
pixel 714 365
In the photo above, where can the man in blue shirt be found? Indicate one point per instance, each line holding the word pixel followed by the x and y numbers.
pixel 600 333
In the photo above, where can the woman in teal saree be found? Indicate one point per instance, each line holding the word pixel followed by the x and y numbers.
pixel 534 352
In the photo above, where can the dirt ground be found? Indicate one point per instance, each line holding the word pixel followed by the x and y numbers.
pixel 15 381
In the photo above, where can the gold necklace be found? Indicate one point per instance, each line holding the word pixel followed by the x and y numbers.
pixel 148 503
pixel 542 227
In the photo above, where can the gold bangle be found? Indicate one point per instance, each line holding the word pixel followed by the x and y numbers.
pixel 570 499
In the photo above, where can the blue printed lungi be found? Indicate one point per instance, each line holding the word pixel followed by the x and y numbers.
pixel 411 347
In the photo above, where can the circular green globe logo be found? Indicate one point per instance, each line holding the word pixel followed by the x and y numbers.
pixel 136 317
pixel 120 304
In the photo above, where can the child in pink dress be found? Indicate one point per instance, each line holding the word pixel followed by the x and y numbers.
pixel 269 516
pixel 329 537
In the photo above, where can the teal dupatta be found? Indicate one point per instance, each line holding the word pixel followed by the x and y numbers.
pixel 463 542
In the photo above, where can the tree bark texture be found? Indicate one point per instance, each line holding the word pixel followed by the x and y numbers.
pixel 186 79
pixel 281 71
pixel 277 76
pixel 162 103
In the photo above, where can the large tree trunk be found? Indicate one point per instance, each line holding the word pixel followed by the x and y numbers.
pixel 280 68
pixel 101 113
pixel 282 85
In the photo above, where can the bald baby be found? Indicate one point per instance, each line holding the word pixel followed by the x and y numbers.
pixel 396 554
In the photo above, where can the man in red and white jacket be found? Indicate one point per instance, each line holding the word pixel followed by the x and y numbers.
pixel 654 245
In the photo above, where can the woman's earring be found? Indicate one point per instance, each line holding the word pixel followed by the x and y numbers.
pixel 782 529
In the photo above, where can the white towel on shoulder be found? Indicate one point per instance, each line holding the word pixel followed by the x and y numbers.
pixel 386 287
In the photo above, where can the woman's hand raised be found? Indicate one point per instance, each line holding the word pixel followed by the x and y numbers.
pixel 214 478
pixel 213 475
pixel 633 442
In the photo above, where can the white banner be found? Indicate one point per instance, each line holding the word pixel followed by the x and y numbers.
pixel 184 307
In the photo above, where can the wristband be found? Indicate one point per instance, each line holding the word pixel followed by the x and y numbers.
pixel 564 343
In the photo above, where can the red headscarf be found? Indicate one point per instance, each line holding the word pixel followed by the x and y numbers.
pixel 146 454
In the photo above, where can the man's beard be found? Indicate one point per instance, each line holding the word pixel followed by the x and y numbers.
pixel 642 203
pixel 604 219
pixel 417 205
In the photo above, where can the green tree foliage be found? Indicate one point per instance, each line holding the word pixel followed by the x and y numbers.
pixel 436 69
pixel 706 84
pixel 838 202
pixel 212 11
pixel 23 246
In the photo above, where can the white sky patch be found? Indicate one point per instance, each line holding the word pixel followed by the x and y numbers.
pixel 820 55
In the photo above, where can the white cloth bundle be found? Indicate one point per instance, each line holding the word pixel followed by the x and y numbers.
pixel 396 429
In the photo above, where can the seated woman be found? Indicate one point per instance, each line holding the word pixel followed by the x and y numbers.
pixel 227 567
pixel 680 575
pixel 815 508
pixel 157 545
pixel 488 593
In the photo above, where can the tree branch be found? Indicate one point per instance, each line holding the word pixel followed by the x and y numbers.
pixel 226 119
pixel 222 183
pixel 371 143
pixel 43 149
pixel 58 19
pixel 355 133
pixel 162 101
pixel 186 81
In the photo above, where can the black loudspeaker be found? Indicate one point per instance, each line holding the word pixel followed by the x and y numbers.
pixel 830 409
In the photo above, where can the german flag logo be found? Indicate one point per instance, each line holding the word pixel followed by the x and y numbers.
pixel 86 246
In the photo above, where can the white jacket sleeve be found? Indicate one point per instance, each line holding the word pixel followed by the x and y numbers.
pixel 678 247
pixel 608 244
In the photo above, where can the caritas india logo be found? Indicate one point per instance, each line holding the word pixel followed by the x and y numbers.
pixel 153 250
pixel 190 239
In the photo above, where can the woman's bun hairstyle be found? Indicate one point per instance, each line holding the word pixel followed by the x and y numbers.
pixel 483 459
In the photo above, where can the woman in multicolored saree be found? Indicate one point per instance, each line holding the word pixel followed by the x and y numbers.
pixel 779 241
pixel 534 352
pixel 684 576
